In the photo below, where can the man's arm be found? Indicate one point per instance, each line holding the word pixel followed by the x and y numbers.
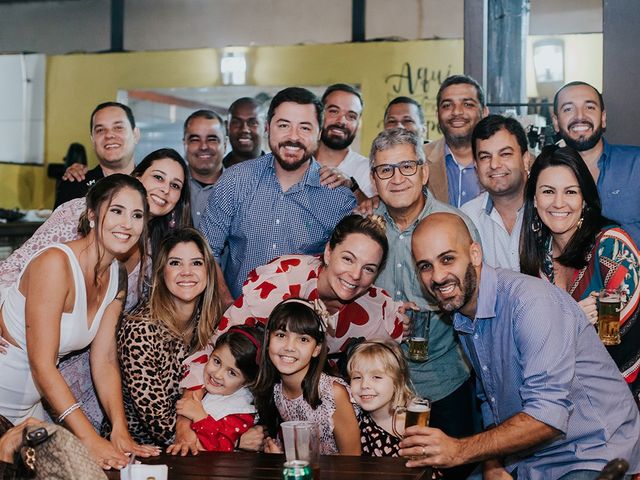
pixel 434 448
pixel 223 289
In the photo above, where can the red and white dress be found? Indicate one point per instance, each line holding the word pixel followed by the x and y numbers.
pixel 373 315
pixel 228 417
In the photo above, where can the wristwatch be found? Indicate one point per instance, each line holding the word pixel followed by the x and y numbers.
pixel 354 185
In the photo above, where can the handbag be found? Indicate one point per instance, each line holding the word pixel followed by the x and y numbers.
pixel 54 453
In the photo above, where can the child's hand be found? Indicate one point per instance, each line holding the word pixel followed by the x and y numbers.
pixel 271 446
pixel 191 408
pixel 252 439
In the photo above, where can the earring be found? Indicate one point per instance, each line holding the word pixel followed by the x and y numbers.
pixel 172 220
pixel 92 224
pixel 580 221
pixel 535 225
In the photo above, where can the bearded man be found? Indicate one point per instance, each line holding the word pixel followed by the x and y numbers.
pixel 580 120
pixel 274 205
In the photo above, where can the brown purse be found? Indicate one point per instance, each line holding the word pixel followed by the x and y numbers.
pixel 54 453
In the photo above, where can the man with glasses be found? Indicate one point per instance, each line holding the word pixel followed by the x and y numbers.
pixel 400 174
pixel 245 129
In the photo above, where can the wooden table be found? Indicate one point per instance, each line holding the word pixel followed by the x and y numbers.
pixel 218 465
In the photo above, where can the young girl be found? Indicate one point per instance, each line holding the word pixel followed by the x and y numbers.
pixel 227 410
pixel 379 383
pixel 292 384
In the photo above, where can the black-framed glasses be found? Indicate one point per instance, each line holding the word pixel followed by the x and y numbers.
pixel 387 170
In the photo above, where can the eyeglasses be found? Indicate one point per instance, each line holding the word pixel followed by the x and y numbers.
pixel 387 170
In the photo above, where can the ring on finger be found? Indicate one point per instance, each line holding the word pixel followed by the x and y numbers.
pixel 424 452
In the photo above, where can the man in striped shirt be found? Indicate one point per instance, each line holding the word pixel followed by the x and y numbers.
pixel 554 404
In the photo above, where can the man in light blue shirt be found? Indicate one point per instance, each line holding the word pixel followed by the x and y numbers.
pixel 400 175
pixel 580 119
pixel 274 205
pixel 502 161
pixel 554 404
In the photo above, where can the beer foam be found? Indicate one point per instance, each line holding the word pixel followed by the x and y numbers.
pixel 611 299
pixel 417 339
pixel 418 408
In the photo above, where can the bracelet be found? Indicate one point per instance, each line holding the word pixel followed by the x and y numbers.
pixel 69 411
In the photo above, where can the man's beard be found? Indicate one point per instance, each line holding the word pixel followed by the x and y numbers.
pixel 456 141
pixel 582 144
pixel 468 287
pixel 335 143
pixel 288 166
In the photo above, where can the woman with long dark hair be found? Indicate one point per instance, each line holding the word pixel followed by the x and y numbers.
pixel 566 240
pixel 43 320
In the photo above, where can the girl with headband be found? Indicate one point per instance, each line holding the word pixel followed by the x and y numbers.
pixel 226 411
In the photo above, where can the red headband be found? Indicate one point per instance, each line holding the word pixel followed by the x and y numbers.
pixel 253 340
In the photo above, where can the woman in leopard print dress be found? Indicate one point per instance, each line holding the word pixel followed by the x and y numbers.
pixel 153 340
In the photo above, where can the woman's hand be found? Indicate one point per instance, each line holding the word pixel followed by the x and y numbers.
pixel 407 323
pixel 3 346
pixel 589 306
pixel 123 442
pixel 11 441
pixel 191 408
pixel 105 453
pixel 253 439
pixel 271 446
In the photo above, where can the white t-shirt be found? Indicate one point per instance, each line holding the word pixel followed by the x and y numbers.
pixel 357 166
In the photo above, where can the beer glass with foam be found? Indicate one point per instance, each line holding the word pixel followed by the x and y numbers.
pixel 609 316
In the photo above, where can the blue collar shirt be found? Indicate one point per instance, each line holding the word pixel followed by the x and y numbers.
pixel 248 211
pixel 534 351
pixel 462 181
pixel 619 186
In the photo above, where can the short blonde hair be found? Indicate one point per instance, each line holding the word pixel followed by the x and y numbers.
pixel 390 355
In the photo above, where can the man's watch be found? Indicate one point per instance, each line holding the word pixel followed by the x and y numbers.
pixel 354 185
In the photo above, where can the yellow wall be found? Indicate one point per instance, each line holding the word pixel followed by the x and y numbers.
pixel 77 83
pixel 582 59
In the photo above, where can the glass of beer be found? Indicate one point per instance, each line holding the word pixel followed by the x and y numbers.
pixel 609 316
pixel 418 413
pixel 418 342
pixel 418 349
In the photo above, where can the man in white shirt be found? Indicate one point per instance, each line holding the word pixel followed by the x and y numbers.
pixel 502 160
pixel 342 116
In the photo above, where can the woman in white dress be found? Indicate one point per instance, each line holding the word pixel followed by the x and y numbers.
pixel 69 296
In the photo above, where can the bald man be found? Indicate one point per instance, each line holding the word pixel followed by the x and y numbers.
pixel 553 402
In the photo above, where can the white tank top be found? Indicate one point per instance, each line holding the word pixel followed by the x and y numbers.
pixel 75 333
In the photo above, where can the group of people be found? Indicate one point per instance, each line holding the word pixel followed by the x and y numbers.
pixel 197 303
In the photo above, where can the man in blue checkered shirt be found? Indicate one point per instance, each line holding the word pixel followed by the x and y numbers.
pixel 279 203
